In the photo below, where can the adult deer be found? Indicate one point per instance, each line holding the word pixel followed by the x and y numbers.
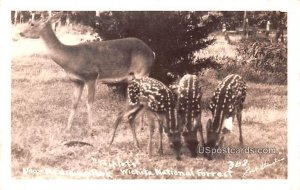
pixel 226 103
pixel 189 109
pixel 110 61
pixel 160 102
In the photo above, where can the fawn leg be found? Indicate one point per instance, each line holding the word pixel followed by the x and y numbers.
pixel 132 115
pixel 151 131
pixel 130 111
pixel 160 151
pixel 239 118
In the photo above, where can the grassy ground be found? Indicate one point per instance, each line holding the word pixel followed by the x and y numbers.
pixel 41 98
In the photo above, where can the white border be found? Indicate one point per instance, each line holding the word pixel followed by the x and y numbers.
pixel 293 8
pixel 5 101
pixel 192 5
pixel 294 97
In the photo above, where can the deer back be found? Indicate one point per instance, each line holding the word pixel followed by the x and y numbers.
pixel 189 101
pixel 157 97
pixel 111 60
pixel 228 97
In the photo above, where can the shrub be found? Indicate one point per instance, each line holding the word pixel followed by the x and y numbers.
pixel 249 73
pixel 264 55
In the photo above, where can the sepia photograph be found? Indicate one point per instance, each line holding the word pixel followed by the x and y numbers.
pixel 149 94
pixel 154 95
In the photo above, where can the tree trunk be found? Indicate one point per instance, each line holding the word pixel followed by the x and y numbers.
pixel 279 33
pixel 280 27
pixel 16 17
pixel 245 24
pixel 97 13
pixel 32 16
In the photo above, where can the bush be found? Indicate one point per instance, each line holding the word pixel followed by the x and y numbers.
pixel 264 55
pixel 248 72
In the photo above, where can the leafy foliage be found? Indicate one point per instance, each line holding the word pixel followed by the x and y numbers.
pixel 257 61
pixel 264 55
pixel 234 19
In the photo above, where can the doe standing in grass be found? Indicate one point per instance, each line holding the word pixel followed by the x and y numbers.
pixel 110 61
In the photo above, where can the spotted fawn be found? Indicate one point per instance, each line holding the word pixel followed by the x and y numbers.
pixel 226 103
pixel 160 102
pixel 189 109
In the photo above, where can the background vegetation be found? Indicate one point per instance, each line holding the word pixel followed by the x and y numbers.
pixel 175 37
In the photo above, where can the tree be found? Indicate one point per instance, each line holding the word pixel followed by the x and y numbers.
pixel 173 36
pixel 281 18
pixel 245 24
pixel 20 16
pixel 232 19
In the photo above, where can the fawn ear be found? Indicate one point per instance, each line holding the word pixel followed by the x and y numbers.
pixel 173 87
pixel 204 86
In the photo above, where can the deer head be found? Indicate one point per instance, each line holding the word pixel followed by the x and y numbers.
pixel 36 28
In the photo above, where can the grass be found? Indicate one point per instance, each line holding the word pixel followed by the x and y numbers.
pixel 41 98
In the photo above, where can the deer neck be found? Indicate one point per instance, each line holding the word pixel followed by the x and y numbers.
pixel 56 50
pixel 218 120
pixel 171 119
pixel 52 42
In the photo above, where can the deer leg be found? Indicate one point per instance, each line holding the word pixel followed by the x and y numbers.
pixel 129 113
pixel 239 118
pixel 132 120
pixel 199 125
pixel 116 124
pixel 91 85
pixel 142 121
pixel 132 127
pixel 160 151
pixel 201 134
pixel 75 99
pixel 141 116
pixel 132 115
pixel 151 131
pixel 160 127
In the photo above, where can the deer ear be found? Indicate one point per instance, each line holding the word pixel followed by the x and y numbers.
pixel 173 87
pixel 204 86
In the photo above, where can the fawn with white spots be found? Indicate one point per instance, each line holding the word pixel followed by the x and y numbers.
pixel 189 109
pixel 159 101
pixel 226 103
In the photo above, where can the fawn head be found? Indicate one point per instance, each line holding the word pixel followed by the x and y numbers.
pixel 212 138
pixel 34 28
